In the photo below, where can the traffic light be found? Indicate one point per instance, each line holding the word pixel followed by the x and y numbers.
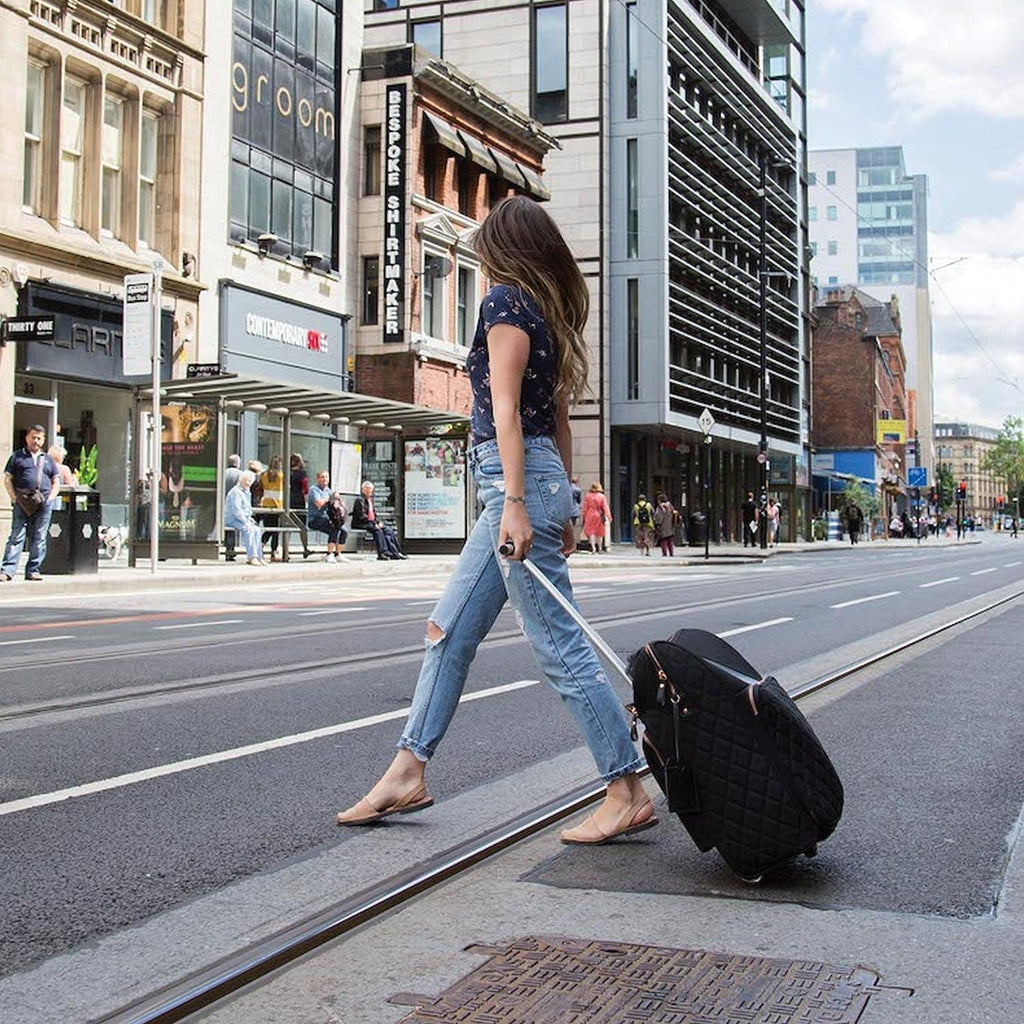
pixel 934 498
pixel 961 491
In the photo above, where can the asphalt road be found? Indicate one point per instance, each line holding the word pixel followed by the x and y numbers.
pixel 290 701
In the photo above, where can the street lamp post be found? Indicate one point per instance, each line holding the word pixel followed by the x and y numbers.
pixel 762 268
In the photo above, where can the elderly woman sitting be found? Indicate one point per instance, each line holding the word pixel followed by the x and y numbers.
pixel 238 517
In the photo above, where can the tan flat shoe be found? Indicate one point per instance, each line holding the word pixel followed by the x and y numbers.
pixel 364 813
pixel 636 818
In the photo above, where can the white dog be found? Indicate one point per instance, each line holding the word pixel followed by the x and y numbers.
pixel 112 540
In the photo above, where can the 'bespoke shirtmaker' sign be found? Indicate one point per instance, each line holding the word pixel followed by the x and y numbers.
pixel 394 212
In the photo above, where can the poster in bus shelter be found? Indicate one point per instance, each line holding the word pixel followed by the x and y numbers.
pixel 435 489
pixel 188 473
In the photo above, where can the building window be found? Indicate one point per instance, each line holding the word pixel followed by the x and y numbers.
pixel 814 249
pixel 463 173
pixel 33 164
pixel 830 177
pixel 72 135
pixel 433 318
pixel 831 213
pixel 550 63
pixel 632 338
pixel 148 168
pixel 833 247
pixel 812 213
pixel 154 12
pixel 466 303
pixel 371 289
pixel 833 279
pixel 371 160
pixel 812 178
pixel 632 202
pixel 632 46
pixel 430 171
pixel 113 136
pixel 428 35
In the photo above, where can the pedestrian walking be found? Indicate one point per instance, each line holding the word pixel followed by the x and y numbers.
pixel 32 480
pixel 238 517
pixel 577 500
pixel 643 524
pixel 665 519
pixel 854 521
pixel 596 514
pixel 527 364
pixel 773 514
pixel 748 512
pixel 1013 527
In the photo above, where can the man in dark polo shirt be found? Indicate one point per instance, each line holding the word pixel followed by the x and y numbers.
pixel 29 470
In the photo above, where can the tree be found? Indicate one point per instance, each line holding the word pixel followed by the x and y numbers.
pixel 855 493
pixel 946 486
pixel 1006 458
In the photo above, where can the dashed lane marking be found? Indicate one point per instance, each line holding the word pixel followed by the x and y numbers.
pixel 750 629
pixel 130 778
pixel 202 625
pixel 935 583
pixel 981 572
pixel 37 640
pixel 864 600
pixel 336 611
pixel 1011 565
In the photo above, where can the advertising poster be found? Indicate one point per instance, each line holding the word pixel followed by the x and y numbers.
pixel 435 489
pixel 188 473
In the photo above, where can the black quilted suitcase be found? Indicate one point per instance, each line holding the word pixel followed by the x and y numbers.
pixel 734 756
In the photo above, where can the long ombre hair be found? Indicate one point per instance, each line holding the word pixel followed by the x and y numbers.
pixel 520 245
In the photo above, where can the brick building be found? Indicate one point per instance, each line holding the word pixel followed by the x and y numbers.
pixel 858 396
pixel 439 151
pixel 961 449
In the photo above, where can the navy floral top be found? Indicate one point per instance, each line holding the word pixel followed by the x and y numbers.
pixel 507 304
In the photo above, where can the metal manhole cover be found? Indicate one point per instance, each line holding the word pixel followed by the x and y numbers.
pixel 545 980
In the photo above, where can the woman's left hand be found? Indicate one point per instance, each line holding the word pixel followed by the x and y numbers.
pixel 568 539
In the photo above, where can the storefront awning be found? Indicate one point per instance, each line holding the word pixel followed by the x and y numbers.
pixel 444 133
pixel 509 169
pixel 257 395
pixel 478 152
pixel 534 183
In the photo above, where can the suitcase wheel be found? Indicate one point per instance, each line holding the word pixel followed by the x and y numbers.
pixel 749 879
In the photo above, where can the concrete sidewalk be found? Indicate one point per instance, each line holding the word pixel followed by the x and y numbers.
pixel 176 574
pixel 912 913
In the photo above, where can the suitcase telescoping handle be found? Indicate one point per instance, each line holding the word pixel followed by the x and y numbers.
pixel 613 660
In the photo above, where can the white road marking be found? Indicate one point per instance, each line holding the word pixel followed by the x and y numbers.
pixel 759 625
pixel 199 625
pixel 981 572
pixel 863 600
pixel 117 781
pixel 335 611
pixel 413 604
pixel 935 583
pixel 1011 565
pixel 37 640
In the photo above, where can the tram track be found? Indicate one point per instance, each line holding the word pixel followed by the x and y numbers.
pixel 204 988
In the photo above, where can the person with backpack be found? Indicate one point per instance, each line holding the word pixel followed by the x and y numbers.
pixel 643 524
pixel 665 519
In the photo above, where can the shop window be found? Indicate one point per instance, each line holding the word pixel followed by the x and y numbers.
pixel 550 65
pixel 371 161
pixel 149 153
pixel 466 305
pixel 428 35
pixel 32 186
pixel 72 141
pixel 371 289
pixel 112 148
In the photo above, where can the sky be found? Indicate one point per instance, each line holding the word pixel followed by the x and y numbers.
pixel 944 79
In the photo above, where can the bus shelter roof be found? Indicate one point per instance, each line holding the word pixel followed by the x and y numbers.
pixel 254 394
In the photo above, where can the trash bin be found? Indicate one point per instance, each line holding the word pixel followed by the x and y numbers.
pixel 74 541
pixel 697 529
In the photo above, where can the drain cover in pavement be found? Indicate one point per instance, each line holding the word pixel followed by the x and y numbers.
pixel 545 980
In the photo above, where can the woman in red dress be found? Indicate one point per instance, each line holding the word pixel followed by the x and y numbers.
pixel 595 513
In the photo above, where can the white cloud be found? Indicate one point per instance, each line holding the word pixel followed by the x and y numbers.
pixel 1013 171
pixel 945 55
pixel 978 319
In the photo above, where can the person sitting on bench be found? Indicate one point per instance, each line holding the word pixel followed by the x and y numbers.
pixel 318 516
pixel 364 517
pixel 238 517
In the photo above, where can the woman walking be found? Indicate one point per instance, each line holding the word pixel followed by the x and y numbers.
pixel 527 365
pixel 665 516
pixel 596 514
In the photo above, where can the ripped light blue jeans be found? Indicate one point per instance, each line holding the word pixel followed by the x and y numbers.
pixel 477 591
